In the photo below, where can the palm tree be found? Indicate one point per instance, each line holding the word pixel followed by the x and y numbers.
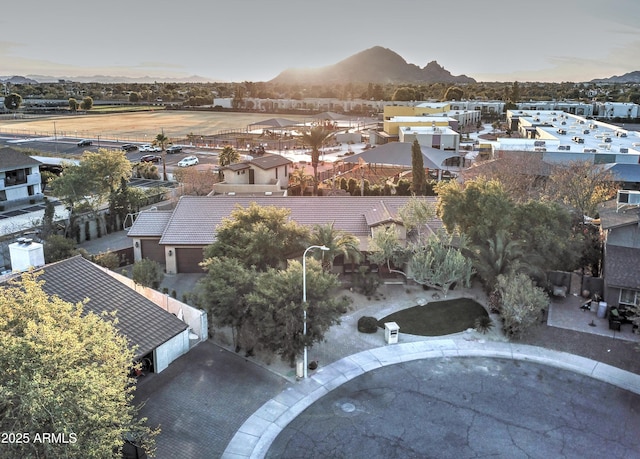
pixel 502 255
pixel 338 241
pixel 316 138
pixel 162 141
pixel 228 156
pixel 301 178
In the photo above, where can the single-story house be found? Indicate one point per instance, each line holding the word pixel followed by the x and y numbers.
pixel 192 224
pixel 152 332
pixel 264 174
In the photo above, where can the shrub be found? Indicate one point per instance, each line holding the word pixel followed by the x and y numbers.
pixel 522 303
pixel 483 324
pixel 107 260
pixel 367 324
pixel 365 282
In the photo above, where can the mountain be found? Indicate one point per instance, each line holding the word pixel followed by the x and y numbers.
pixel 631 77
pixel 15 79
pixel 105 79
pixel 375 65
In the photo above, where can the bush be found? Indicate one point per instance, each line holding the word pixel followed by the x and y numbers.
pixel 522 303
pixel 107 260
pixel 367 324
pixel 483 324
pixel 365 282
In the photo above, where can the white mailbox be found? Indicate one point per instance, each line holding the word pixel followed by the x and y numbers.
pixel 391 332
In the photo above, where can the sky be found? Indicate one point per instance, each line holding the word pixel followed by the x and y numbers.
pixel 254 40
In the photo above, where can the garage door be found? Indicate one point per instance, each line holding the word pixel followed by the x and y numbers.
pixel 187 260
pixel 152 250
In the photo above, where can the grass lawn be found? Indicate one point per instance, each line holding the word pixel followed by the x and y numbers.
pixel 437 318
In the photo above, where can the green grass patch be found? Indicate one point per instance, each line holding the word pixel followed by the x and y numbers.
pixel 437 318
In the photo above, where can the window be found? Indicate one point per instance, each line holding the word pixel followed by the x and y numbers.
pixel 629 297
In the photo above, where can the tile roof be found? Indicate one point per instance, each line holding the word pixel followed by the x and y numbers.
pixel 621 267
pixel 12 159
pixel 143 323
pixel 195 218
pixel 267 161
pixel 150 223
pixel 236 166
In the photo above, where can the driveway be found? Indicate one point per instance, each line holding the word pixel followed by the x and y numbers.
pixel 202 399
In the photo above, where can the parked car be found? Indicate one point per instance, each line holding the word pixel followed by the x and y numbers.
pixel 188 161
pixel 144 147
pixel 150 159
pixel 129 147
pixel 85 143
pixel 174 149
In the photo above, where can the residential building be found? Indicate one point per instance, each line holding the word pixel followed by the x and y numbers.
pixel 620 227
pixel 266 173
pixel 182 236
pixel 20 179
pixel 152 332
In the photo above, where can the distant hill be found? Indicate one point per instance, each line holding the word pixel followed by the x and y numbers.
pixel 375 65
pixel 17 80
pixel 104 79
pixel 631 77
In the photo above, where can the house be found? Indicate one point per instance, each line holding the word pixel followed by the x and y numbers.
pixel 152 332
pixel 192 225
pixel 620 226
pixel 20 179
pixel 266 173
pixel 437 162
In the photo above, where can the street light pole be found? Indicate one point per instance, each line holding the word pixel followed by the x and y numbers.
pixel 304 302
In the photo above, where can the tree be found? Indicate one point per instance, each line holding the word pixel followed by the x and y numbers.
pixel 196 182
pixel 435 263
pixel 58 248
pixel 404 94
pixel 501 255
pixel 522 303
pixel 277 310
pixel 338 242
pixel 522 175
pixel 66 372
pixel 417 169
pixel 87 103
pixel 438 264
pixel 479 210
pixel 300 178
pixel 12 102
pixel 453 93
pixel 582 186
pixel 163 142
pixel 315 138
pixel 546 228
pixel 228 156
pixel 147 273
pixel 88 185
pixel 258 236
pixel 73 104
pixel 223 291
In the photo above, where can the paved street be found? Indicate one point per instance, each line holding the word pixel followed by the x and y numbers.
pixel 463 408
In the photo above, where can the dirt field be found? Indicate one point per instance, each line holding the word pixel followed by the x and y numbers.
pixel 135 126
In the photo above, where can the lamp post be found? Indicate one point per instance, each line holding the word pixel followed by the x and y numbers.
pixel 304 301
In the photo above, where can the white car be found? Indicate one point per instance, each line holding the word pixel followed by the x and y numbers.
pixel 144 148
pixel 188 161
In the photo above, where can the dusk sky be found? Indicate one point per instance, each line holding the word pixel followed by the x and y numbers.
pixel 254 40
